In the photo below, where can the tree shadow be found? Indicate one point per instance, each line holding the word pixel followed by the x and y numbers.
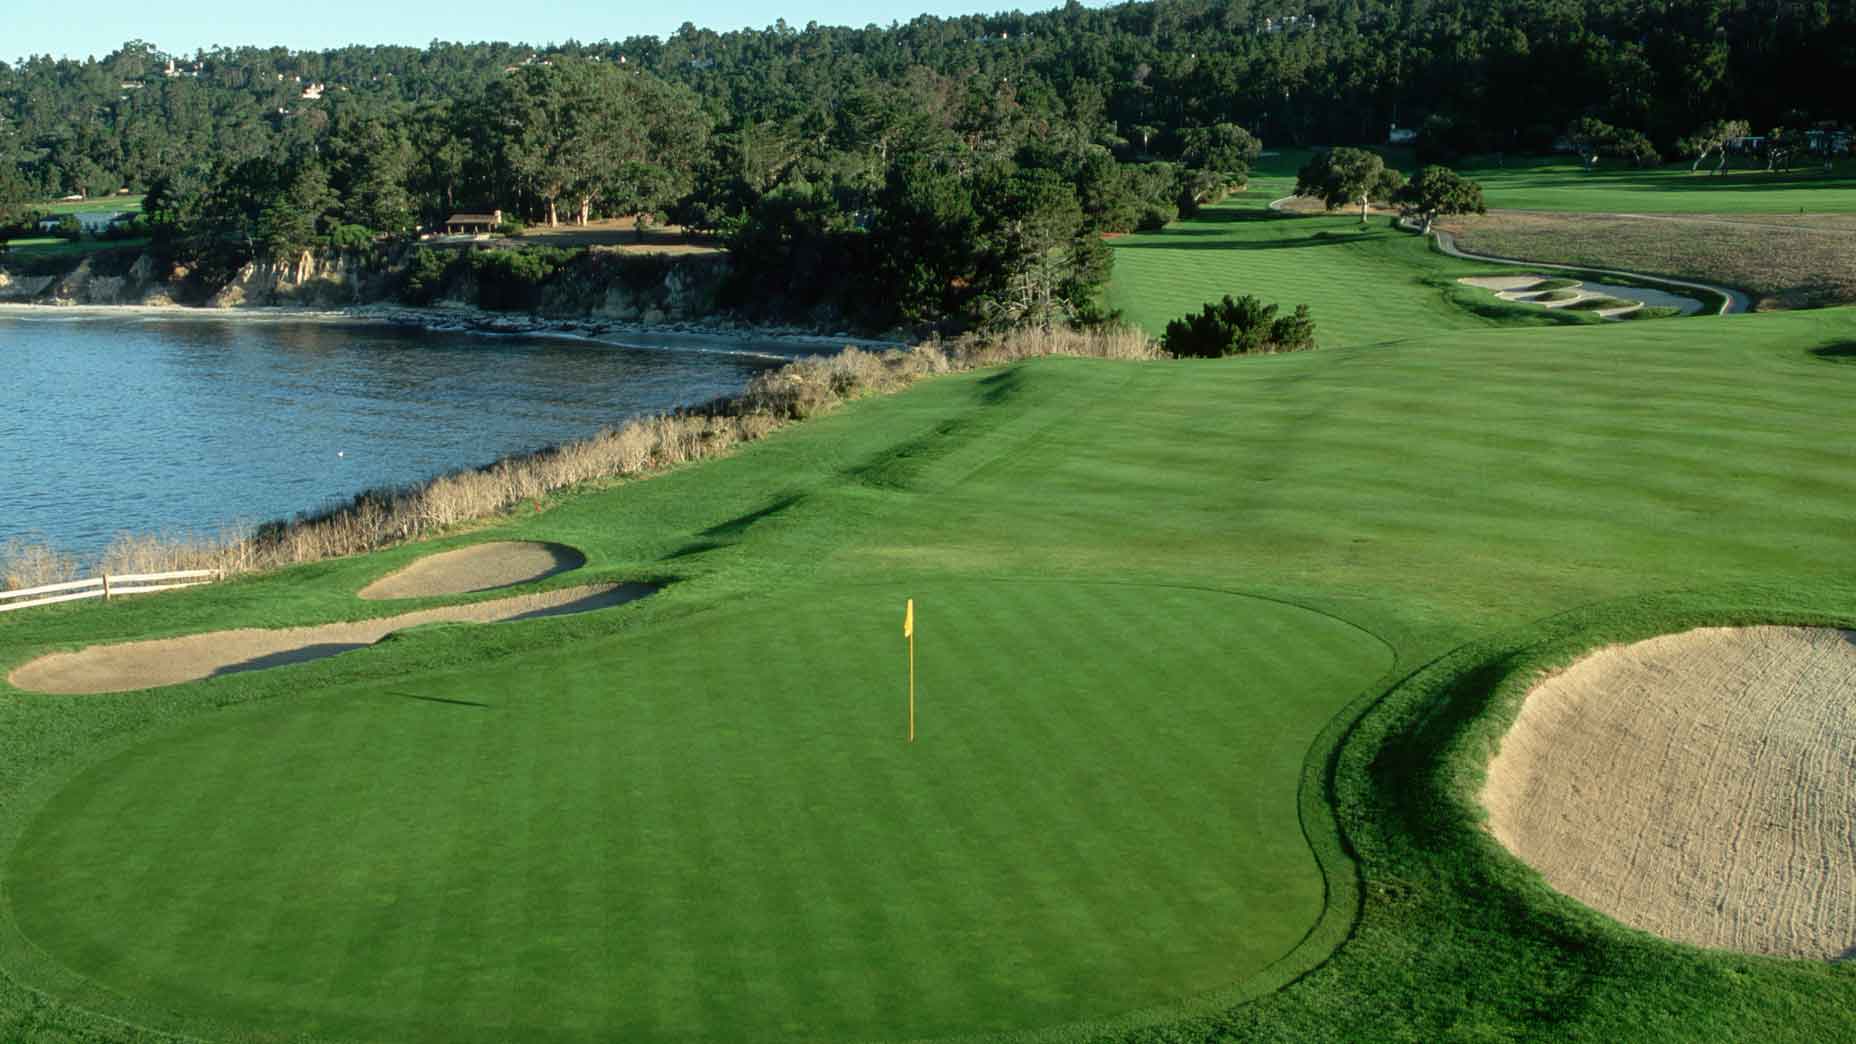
pixel 286 657
pixel 1844 353
pixel 740 524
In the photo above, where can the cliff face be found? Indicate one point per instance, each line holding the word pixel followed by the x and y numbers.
pixel 646 288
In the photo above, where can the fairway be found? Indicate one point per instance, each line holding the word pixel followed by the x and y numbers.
pixel 712 831
pixel 1616 187
pixel 1364 284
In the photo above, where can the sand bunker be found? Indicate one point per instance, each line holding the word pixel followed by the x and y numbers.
pixel 1520 287
pixel 1701 786
pixel 169 661
pixel 479 567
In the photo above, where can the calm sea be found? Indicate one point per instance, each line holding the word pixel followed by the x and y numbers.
pixel 155 424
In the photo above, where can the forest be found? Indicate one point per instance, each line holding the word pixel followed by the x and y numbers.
pixel 946 170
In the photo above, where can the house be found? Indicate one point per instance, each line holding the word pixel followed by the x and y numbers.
pixel 1401 135
pixel 473 224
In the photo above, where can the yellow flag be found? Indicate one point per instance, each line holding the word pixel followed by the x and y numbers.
pixel 908 620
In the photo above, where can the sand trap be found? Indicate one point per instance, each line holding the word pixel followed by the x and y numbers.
pixel 168 661
pixel 1520 288
pixel 479 567
pixel 1701 786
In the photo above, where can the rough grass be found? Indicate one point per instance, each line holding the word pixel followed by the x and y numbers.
pixel 1785 261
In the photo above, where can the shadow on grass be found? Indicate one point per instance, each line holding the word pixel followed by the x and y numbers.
pixel 1844 353
pixel 1316 240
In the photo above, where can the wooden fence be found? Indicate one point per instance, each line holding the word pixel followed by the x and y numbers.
pixel 105 587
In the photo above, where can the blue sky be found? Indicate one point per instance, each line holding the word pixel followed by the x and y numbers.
pixel 101 26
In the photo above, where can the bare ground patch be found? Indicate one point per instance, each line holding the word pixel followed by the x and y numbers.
pixel 479 567
pixel 126 666
pixel 1783 260
pixel 1701 786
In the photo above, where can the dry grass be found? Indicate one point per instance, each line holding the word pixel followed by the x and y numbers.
pixel 24 565
pixel 383 517
pixel 1783 260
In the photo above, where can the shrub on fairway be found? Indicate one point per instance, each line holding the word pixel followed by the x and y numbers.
pixel 1239 326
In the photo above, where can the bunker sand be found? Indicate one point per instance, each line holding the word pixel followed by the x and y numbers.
pixel 1701 786
pixel 479 567
pixel 125 666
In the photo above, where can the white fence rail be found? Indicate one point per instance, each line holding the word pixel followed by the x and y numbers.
pixel 105 587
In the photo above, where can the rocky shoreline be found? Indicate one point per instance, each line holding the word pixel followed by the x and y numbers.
pixel 690 334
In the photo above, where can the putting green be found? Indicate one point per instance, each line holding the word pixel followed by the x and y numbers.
pixel 711 829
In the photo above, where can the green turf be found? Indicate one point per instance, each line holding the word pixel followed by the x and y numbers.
pixel 692 817
pixel 714 831
pixel 1365 284
pixel 1559 183
pixel 112 204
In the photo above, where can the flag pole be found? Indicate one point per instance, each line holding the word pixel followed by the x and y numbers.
pixel 911 687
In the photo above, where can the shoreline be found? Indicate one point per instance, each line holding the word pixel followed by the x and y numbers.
pixel 618 333
pixel 773 346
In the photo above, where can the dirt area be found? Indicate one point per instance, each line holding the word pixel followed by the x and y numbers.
pixel 479 567
pixel 1783 260
pixel 1701 786
pixel 623 236
pixel 169 661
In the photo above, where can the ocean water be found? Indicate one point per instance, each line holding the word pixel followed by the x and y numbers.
pixel 158 423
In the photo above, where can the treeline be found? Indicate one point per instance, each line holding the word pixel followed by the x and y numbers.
pixel 997 149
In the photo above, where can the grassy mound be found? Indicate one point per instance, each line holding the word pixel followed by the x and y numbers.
pixel 1599 304
pixel 1555 284
pixel 1557 295
pixel 1652 312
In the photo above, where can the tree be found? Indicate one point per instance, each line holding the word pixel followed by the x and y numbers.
pixel 1341 176
pixel 1590 137
pixel 1634 146
pixel 1713 137
pixel 1239 326
pixel 1223 147
pixel 1438 191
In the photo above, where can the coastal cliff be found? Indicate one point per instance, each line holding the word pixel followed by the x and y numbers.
pixel 560 285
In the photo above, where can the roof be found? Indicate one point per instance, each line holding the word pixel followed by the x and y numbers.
pixel 471 219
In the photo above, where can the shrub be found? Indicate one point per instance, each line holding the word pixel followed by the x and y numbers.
pixel 510 280
pixel 511 227
pixel 1238 326
pixel 425 276
pixel 351 237
pixel 69 227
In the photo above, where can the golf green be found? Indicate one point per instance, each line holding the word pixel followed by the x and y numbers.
pixel 713 829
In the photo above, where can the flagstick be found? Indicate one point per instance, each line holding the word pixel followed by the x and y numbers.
pixel 911 687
